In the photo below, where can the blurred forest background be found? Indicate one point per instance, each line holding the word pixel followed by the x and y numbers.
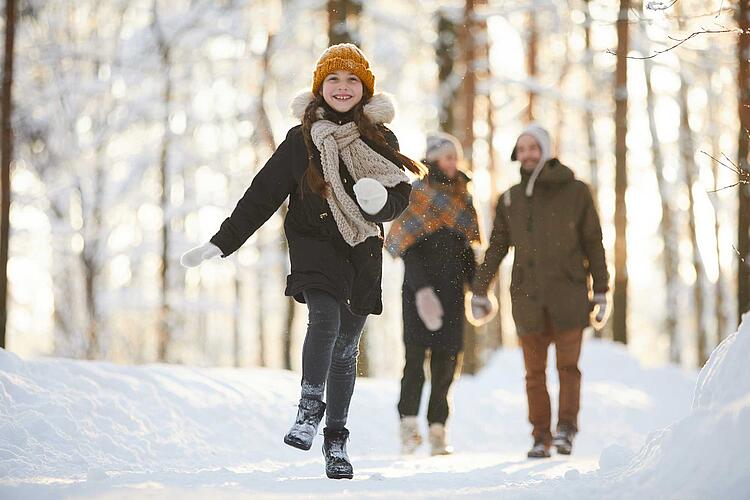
pixel 134 127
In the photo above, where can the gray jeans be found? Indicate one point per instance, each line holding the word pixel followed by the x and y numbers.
pixel 329 354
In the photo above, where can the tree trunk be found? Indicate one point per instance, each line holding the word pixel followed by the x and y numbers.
pixel 163 322
pixel 588 113
pixel 670 254
pixel 237 321
pixel 164 334
pixel 687 152
pixel 561 115
pixel 63 281
pixel 259 289
pixel 446 53
pixel 7 155
pixel 714 100
pixel 468 91
pixel 464 111
pixel 343 17
pixel 743 142
pixel 91 258
pixel 494 329
pixel 687 155
pixel 531 63
pixel 259 240
pixel 620 295
pixel 92 328
pixel 287 338
pixel 286 335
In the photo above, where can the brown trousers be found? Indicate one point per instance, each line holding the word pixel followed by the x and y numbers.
pixel 568 350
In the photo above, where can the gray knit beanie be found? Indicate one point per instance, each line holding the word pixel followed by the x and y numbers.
pixel 542 138
pixel 439 144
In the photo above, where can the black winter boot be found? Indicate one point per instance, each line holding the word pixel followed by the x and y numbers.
pixel 305 427
pixel 338 465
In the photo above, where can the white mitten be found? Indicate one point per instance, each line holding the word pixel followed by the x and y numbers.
pixel 371 195
pixel 196 255
pixel 429 308
pixel 599 302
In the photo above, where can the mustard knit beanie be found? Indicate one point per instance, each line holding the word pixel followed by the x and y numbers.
pixel 344 56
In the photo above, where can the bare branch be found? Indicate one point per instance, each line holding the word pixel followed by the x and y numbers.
pixel 680 42
pixel 657 5
pixel 743 175
pixel 742 259
pixel 723 188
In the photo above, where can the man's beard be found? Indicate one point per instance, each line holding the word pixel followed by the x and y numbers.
pixel 529 165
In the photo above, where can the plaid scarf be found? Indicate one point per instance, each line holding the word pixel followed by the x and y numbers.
pixel 434 205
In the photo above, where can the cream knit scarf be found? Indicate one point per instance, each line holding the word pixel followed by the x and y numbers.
pixel 342 142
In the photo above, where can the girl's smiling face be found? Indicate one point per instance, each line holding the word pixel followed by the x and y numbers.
pixel 342 90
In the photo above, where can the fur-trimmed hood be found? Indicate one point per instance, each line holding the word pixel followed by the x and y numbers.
pixel 380 108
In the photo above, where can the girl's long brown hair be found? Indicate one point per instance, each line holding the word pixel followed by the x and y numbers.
pixel 313 177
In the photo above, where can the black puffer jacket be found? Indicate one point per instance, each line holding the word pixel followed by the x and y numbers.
pixel 320 258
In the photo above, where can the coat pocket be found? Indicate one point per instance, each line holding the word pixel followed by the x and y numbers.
pixel 367 261
pixel 575 270
pixel 314 254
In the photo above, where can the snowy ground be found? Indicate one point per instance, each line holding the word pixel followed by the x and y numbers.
pixel 81 430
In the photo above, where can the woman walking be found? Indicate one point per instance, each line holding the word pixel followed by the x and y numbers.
pixel 434 237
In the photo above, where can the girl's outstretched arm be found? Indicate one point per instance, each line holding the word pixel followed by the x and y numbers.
pixel 268 190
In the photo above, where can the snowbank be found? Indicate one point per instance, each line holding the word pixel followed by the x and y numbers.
pixel 705 454
pixel 95 429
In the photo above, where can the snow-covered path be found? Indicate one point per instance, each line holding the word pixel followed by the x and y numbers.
pixel 83 429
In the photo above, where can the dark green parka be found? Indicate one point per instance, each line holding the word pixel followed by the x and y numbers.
pixel 558 245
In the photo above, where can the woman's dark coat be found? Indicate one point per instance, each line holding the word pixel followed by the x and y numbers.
pixel 444 261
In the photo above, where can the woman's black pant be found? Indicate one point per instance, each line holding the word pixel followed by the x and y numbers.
pixel 443 366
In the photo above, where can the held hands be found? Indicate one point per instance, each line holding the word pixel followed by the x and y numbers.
pixel 195 256
pixel 483 309
pixel 599 303
pixel 371 195
pixel 429 308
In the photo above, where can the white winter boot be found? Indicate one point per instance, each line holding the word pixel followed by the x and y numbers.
pixel 439 440
pixel 410 436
